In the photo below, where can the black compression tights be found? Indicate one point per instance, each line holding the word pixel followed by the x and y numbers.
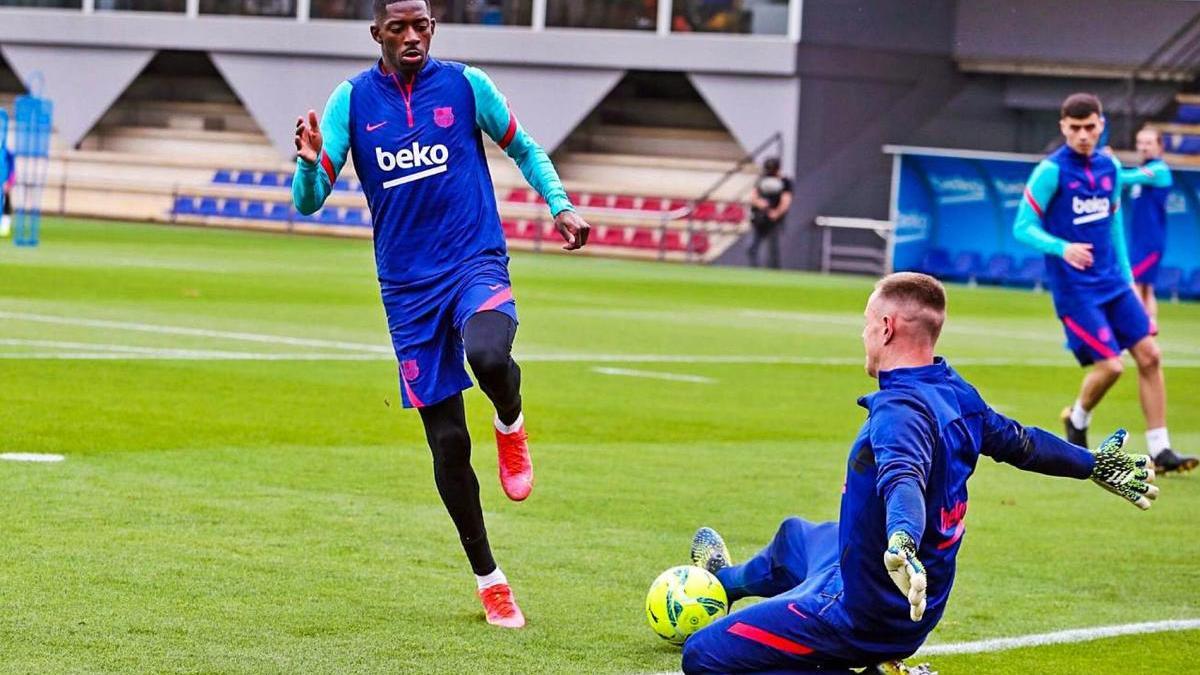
pixel 488 337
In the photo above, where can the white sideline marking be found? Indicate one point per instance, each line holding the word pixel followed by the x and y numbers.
pixel 199 332
pixel 654 375
pixel 30 457
pixel 1071 636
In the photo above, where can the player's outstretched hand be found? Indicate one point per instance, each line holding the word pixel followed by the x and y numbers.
pixel 308 137
pixel 573 228
pixel 1129 476
pixel 1079 256
pixel 900 560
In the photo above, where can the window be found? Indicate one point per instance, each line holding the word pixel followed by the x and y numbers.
pixel 249 7
pixel 58 4
pixel 619 14
pixel 763 17
pixel 141 5
pixel 483 12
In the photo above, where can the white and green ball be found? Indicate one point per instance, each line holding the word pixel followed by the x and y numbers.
pixel 683 600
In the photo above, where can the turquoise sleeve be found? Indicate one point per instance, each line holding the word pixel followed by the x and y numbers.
pixel 493 116
pixel 1118 227
pixel 1154 174
pixel 1027 229
pixel 314 181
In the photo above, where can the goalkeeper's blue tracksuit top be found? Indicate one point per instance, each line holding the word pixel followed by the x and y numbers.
pixel 908 470
pixel 418 150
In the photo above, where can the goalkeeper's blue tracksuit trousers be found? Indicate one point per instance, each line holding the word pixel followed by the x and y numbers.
pixel 801 627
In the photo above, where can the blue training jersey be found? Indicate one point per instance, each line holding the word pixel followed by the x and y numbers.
pixel 418 150
pixel 925 430
pixel 1150 186
pixel 1071 198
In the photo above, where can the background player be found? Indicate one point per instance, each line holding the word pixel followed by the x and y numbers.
pixel 1069 214
pixel 8 178
pixel 833 602
pixel 1151 185
pixel 412 124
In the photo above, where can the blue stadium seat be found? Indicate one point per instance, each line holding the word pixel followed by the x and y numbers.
pixel 208 207
pixel 1031 273
pixel 286 180
pixel 222 176
pixel 1169 281
pixel 964 267
pixel 232 208
pixel 997 271
pixel 185 205
pixel 1184 144
pixel 280 211
pixel 1189 113
pixel 256 210
pixel 356 217
pixel 329 216
pixel 245 178
pixel 1191 290
pixel 342 185
pixel 269 179
pixel 935 262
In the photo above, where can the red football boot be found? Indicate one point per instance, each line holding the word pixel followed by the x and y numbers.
pixel 516 470
pixel 501 607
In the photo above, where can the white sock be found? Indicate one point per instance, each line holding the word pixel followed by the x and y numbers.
pixel 509 428
pixel 1080 418
pixel 1157 440
pixel 496 577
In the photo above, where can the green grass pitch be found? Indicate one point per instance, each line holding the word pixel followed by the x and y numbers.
pixel 233 503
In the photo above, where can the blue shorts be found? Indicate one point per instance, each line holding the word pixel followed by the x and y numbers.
pixel 802 627
pixel 1145 266
pixel 427 324
pixel 1100 331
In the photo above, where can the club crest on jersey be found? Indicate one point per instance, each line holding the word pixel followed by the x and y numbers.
pixel 1106 183
pixel 443 117
pixel 410 370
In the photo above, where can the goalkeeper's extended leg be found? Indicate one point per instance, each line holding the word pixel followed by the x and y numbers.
pixel 800 548
pixel 446 430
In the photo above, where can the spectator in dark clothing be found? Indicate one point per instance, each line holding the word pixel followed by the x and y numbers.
pixel 769 204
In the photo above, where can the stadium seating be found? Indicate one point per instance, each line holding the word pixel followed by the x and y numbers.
pixel 1169 281
pixel 1191 289
pixel 1031 273
pixel 999 269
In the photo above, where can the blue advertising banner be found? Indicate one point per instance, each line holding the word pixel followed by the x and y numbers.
pixel 959 205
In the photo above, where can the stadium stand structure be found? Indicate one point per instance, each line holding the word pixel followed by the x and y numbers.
pixel 206 162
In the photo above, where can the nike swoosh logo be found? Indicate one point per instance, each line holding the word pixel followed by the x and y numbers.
pixel 373 127
pixel 496 287
pixel 792 608
pixel 1074 184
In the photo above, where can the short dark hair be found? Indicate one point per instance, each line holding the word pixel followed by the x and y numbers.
pixel 1080 106
pixel 921 292
pixel 379 7
pixel 771 164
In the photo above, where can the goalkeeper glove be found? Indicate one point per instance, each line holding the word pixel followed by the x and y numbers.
pixel 1125 475
pixel 900 560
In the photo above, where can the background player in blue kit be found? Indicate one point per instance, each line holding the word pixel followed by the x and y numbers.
pixel 1149 186
pixel 833 594
pixel 414 126
pixel 1069 214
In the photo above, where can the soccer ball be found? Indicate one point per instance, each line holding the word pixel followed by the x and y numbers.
pixel 683 600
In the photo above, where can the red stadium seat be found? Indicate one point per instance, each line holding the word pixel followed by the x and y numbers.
pixel 643 238
pixel 624 202
pixel 510 228
pixel 705 211
pixel 677 204
pixel 530 230
pixel 597 201
pixel 700 243
pixel 519 195
pixel 652 204
pixel 576 198
pixel 733 213
pixel 613 236
pixel 672 240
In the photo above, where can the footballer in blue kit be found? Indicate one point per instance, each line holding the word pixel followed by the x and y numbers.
pixel 1070 214
pixel 414 127
pixel 1149 187
pixel 865 591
